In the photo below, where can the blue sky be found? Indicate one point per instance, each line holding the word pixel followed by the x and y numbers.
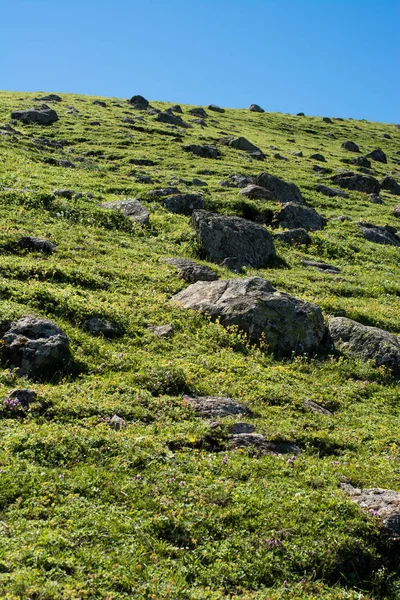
pixel 328 58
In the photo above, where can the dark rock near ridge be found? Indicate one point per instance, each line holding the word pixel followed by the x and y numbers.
pixel 98 326
pixel 256 192
pixel 378 155
pixel 36 244
pixel 300 114
pixel 366 343
pixel 350 146
pixel 287 324
pixel 176 108
pixel 139 102
pixel 36 347
pixel 357 182
pixel 184 204
pixel 293 237
pixel 215 108
pixel 191 271
pixel 202 150
pixel 283 191
pixel 171 119
pixel 216 407
pixel 256 108
pixel 198 112
pixel 50 98
pixel 35 116
pixel 261 444
pixel 381 503
pixel 99 103
pixel 386 235
pixel 295 216
pixel 390 185
pixel 222 237
pixel 319 157
pixel 327 120
pixel 331 192
pixel 132 208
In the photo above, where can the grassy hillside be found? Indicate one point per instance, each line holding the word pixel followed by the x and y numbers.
pixel 153 511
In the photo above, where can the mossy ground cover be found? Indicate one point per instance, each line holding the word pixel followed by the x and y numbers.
pixel 150 511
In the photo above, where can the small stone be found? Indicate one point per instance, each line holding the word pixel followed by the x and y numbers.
pixel 331 192
pixel 24 396
pixel 264 446
pixel 162 331
pixel 198 112
pixel 161 192
pixel 321 266
pixel 215 108
pixel 216 407
pixel 239 428
pixel 376 199
pixel 378 155
pixel 36 244
pixel 316 408
pixel 350 146
pixel 389 184
pixel 64 193
pixel 319 157
pixel 204 151
pixel 190 271
pixel 256 192
pixel 104 327
pixel 294 236
pixel 117 423
pixel 99 103
pixel 256 108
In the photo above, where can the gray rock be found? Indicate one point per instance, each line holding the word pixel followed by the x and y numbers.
pixel 25 396
pixel 360 161
pixel 176 108
pixel 191 271
pixel 256 192
pixel 396 211
pixel 66 164
pixel 386 136
pixel 390 185
pixel 171 119
pixel 215 407
pixel 94 123
pixel 42 116
pixel 283 191
pixel 36 347
pixel 50 98
pixel 331 192
pixel 321 266
pixel 381 503
pixel 380 235
pixel 139 103
pixel 198 112
pixel 293 237
pixel 327 120
pixel 132 208
pixel 162 331
pixel 36 244
pixel 98 326
pixel 64 193
pixel 241 143
pixel 256 155
pixel 316 408
pixel 280 157
pixel 117 423
pixel 298 153
pixel 198 182
pixel 202 150
pixel 319 157
pixel 357 182
pixel 237 181
pixel 367 343
pixel 142 162
pixel 300 114
pixel 184 204
pixel 161 192
pixel 256 108
pixel 295 216
pixel 378 155
pixel 200 122
pixel 376 199
pixel 322 170
pixel 259 442
pixel 224 237
pixel 287 324
pixel 129 120
pixel 238 428
pixel 99 103
pixel 215 108
pixel 350 146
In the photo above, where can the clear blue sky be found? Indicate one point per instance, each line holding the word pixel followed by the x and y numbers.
pixel 328 58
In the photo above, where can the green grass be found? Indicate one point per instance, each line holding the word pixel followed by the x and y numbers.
pixel 87 512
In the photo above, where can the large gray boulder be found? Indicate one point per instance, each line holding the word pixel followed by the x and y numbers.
pixel 132 208
pixel 380 235
pixel 184 204
pixel 36 347
pixel 284 191
pixel 36 116
pixel 367 343
pixel 381 503
pixel 139 102
pixel 223 237
pixel 358 182
pixel 295 216
pixel 287 324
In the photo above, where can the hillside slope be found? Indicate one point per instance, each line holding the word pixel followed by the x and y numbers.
pixel 160 503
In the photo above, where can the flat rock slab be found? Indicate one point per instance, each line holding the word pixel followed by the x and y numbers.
pixel 215 108
pixel 357 182
pixel 316 408
pixel 288 325
pixel 321 266
pixel 237 180
pixel 34 116
pixel 331 192
pixel 261 444
pixel 214 406
pixel 36 347
pixel 132 208
pixel 184 204
pixel 36 244
pixel 367 343
pixel 162 331
pixel 191 271
pixel 380 235
pixel 224 237
pixel 284 191
pixel 379 502
pixel 256 192
pixel 294 216
pixel 294 236
pixel 98 326
pixel 203 151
